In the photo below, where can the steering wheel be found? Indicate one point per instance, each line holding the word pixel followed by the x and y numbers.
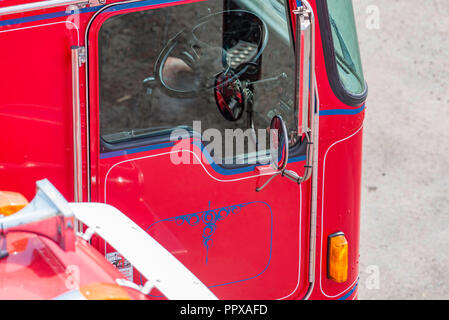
pixel 200 58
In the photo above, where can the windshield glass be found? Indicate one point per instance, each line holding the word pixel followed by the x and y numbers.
pixel 344 35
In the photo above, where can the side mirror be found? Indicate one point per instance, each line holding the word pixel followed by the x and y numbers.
pixel 305 100
pixel 279 151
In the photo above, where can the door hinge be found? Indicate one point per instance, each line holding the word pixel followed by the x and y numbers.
pixel 303 11
pixel 81 56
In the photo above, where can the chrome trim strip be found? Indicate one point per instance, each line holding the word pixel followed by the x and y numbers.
pixel 314 204
pixel 311 168
pixel 39 6
pixel 77 145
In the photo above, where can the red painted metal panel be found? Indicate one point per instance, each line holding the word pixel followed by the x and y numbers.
pixel 35 107
pixel 260 237
pixel 261 252
pixel 39 269
pixel 340 210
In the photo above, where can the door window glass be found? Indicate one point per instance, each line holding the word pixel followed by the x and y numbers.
pixel 228 64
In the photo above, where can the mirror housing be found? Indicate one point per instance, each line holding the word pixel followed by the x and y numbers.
pixel 278 143
pixel 279 151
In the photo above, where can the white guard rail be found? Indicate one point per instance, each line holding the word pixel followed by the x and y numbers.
pixel 150 258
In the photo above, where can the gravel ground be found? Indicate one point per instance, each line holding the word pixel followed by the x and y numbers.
pixel 405 204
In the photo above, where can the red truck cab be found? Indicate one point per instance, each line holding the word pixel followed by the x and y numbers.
pixel 229 131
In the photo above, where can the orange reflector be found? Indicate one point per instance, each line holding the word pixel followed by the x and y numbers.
pixel 104 291
pixel 337 265
pixel 11 202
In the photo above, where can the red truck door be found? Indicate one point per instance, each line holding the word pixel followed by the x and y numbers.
pixel 170 84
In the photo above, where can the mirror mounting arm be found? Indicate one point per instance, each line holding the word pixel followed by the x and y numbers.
pixel 305 99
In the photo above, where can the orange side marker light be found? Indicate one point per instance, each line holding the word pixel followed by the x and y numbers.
pixel 337 266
